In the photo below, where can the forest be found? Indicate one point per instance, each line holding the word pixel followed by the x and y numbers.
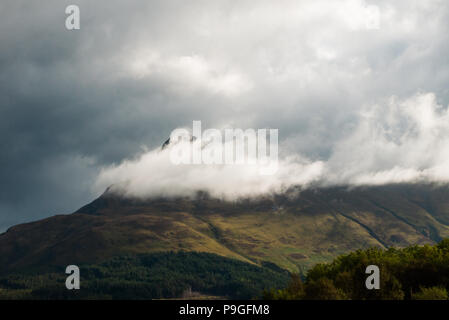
pixel 151 276
pixel 410 273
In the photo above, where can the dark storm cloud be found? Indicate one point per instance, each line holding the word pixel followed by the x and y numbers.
pixel 66 106
pixel 63 113
pixel 72 102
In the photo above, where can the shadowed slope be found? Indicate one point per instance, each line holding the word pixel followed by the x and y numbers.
pixel 295 230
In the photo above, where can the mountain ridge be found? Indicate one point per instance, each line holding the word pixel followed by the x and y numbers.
pixel 294 230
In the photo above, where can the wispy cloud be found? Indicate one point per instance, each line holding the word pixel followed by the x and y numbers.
pixel 404 141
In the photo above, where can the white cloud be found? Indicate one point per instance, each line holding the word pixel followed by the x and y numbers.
pixel 399 141
pixel 395 142
pixel 184 73
pixel 153 174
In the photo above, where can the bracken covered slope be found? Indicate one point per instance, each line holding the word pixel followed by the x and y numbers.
pixel 294 230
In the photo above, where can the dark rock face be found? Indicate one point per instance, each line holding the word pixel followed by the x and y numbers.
pixel 167 142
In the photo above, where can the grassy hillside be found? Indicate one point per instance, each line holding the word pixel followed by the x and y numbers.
pixel 295 230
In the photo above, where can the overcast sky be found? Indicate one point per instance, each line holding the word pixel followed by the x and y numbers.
pixel 358 89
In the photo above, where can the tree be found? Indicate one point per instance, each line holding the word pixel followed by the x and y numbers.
pixel 432 293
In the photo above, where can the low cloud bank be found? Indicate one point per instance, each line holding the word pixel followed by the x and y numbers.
pixel 403 141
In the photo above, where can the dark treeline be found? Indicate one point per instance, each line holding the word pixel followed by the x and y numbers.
pixel 417 272
pixel 151 276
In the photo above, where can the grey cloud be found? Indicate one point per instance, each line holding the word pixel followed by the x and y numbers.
pixel 74 102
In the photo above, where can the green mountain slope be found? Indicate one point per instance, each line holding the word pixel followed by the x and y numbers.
pixel 294 230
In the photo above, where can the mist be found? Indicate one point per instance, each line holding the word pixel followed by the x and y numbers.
pixel 400 141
